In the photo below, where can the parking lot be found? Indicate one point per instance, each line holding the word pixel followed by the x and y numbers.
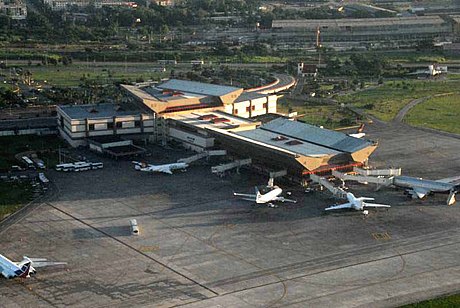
pixel 200 247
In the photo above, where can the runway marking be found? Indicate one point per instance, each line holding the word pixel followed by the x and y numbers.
pixel 381 236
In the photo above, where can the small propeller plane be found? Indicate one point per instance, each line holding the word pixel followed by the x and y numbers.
pixel 357 204
pixel 273 195
pixel 25 268
pixel 168 168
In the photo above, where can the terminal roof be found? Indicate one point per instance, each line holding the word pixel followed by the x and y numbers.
pixel 316 135
pixel 290 144
pixel 96 111
pixel 197 87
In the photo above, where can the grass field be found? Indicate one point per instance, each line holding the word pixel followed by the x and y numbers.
pixel 11 145
pixel 72 75
pixel 329 116
pixel 443 302
pixel 441 113
pixel 13 196
pixel 385 101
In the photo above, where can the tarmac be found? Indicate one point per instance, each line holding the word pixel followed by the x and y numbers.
pixel 200 247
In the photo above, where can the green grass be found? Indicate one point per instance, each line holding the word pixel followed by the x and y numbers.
pixel 13 196
pixel 11 145
pixel 385 101
pixel 441 113
pixel 443 302
pixel 72 75
pixel 329 116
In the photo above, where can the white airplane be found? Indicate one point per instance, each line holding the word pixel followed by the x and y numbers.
pixel 356 203
pixel 23 269
pixel 273 195
pixel 359 133
pixel 168 168
pixel 419 188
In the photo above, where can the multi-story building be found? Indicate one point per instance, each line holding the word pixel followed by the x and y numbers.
pixel 77 123
pixel 15 9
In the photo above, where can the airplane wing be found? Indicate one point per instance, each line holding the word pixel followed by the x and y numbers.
pixel 365 198
pixel 164 170
pixel 340 206
pixel 247 197
pixel 282 199
pixel 365 204
pixel 419 192
pixel 453 180
pixel 47 263
pixel 42 262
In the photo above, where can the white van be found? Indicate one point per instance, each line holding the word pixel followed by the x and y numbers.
pixel 134 227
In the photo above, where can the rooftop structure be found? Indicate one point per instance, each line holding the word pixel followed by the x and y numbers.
pixel 15 9
pixel 182 96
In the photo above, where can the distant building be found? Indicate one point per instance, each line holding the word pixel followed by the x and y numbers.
pixel 392 30
pixel 15 9
pixel 61 5
pixel 307 70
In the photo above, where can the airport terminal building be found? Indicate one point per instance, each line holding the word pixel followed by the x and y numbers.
pixel 205 117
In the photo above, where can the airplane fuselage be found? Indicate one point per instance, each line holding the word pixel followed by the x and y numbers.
pixel 430 185
pixel 270 196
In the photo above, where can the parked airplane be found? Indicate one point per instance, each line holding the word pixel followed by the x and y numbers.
pixel 168 168
pixel 359 133
pixel 273 195
pixel 356 203
pixel 23 269
pixel 419 188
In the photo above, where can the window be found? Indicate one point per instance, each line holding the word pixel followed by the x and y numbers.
pixel 91 127
pixel 109 125
pixel 119 124
pixel 137 123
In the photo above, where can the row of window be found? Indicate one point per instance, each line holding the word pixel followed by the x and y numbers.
pixel 118 125
pixel 251 108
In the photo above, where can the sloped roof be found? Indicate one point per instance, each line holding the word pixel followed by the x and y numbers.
pixel 291 144
pixel 312 134
pixel 197 87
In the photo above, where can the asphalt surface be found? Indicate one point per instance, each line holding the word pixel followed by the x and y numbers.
pixel 200 247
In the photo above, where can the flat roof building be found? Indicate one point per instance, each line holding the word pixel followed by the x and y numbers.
pixel 76 123
pixel 363 29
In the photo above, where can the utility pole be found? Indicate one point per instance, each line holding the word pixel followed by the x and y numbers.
pixel 318 44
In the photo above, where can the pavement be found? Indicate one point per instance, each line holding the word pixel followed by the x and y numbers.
pixel 200 247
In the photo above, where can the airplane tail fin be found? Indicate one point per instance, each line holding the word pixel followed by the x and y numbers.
pixel 25 269
pixel 257 193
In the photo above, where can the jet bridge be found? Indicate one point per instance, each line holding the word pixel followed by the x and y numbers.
pixel 378 172
pixel 234 164
pixel 365 179
pixel 201 155
pixel 336 191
